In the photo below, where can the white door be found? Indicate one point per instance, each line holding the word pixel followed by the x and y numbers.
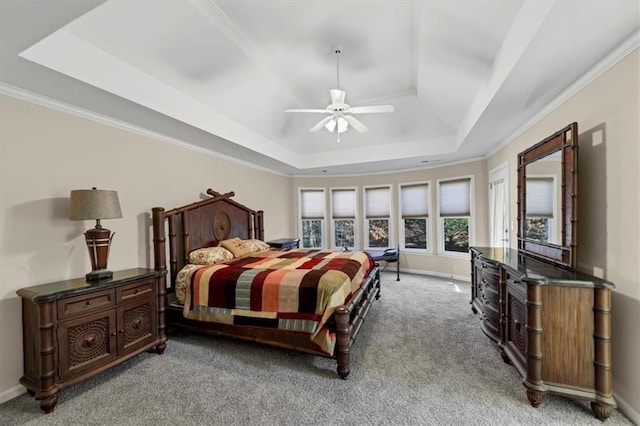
pixel 499 206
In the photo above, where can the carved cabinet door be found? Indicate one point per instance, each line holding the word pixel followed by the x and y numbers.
pixel 86 343
pixel 137 325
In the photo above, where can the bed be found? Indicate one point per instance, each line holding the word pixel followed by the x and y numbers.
pixel 223 280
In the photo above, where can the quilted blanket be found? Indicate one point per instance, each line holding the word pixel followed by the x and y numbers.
pixel 295 290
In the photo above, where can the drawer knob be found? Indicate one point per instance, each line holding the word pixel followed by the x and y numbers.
pixel 517 324
pixel 89 342
pixel 89 302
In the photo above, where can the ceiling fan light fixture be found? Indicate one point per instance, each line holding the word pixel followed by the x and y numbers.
pixel 330 125
pixel 342 125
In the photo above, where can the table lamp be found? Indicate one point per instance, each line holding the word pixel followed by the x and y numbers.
pixel 90 204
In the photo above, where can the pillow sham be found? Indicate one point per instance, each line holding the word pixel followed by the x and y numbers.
pixel 209 255
pixel 257 245
pixel 236 246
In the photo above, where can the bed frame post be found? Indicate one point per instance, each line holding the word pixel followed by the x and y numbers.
pixel 343 341
pixel 159 253
pixel 160 266
pixel 258 229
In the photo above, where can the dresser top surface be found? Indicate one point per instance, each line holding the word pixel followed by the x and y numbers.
pixel 538 271
pixel 75 286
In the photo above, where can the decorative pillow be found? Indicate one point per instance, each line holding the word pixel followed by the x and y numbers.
pixel 257 245
pixel 236 246
pixel 209 255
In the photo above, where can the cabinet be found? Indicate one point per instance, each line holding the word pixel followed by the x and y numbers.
pixel 75 329
pixel 554 325
pixel 285 243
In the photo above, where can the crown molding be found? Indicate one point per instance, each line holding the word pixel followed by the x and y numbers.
pixel 37 99
pixel 622 51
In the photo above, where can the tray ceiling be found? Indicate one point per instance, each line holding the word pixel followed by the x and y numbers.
pixel 464 77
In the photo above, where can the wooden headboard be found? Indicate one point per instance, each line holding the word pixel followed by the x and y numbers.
pixel 201 224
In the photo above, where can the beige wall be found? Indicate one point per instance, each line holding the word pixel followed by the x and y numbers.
pixel 607 114
pixel 447 265
pixel 45 153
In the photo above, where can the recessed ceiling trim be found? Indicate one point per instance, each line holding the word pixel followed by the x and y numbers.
pixel 221 21
pixel 61 49
pixel 618 54
pixel 525 26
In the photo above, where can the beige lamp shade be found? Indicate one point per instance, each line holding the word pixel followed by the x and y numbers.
pixel 88 204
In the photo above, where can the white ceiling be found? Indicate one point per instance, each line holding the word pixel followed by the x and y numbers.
pixel 463 76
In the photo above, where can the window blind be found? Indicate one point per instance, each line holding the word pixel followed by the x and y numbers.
pixel 415 200
pixel 455 198
pixel 343 203
pixel 377 202
pixel 540 197
pixel 312 204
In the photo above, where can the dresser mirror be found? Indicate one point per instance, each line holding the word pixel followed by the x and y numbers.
pixel 547 198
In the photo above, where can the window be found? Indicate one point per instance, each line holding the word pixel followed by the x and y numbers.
pixel 343 217
pixel 377 209
pixel 414 213
pixel 539 223
pixel 312 202
pixel 455 215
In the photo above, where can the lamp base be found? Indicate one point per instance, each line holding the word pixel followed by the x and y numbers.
pixel 99 274
pixel 98 243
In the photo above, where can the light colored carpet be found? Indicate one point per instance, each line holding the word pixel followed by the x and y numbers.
pixel 420 359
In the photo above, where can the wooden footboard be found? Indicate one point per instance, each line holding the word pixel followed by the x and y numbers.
pixel 200 225
pixel 349 318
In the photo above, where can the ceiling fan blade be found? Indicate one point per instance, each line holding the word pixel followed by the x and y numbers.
pixel 371 109
pixel 337 96
pixel 320 111
pixel 355 123
pixel 321 123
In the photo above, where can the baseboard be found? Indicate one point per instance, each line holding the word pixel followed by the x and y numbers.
pixel 465 278
pixel 625 408
pixel 11 393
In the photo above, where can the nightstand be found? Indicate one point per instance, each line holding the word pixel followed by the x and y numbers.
pixel 285 243
pixel 74 329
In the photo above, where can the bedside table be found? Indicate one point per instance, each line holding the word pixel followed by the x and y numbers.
pixel 285 243
pixel 74 329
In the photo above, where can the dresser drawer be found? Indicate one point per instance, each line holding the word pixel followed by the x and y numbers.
pixel 81 305
pixel 135 291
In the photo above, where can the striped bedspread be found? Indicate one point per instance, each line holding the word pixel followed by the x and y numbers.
pixel 295 290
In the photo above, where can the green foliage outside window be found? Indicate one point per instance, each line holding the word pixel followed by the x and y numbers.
pixel 456 234
pixel 344 233
pixel 415 233
pixel 378 232
pixel 312 233
pixel 537 229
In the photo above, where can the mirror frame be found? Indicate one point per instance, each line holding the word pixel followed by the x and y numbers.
pixel 564 254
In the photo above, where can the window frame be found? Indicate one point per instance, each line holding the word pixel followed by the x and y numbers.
pixel 365 219
pixel 401 219
pixel 322 220
pixel 333 219
pixel 471 218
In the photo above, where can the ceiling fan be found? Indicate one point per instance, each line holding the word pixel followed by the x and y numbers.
pixel 340 114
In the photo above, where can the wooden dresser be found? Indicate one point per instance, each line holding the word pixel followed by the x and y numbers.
pixel 75 329
pixel 551 323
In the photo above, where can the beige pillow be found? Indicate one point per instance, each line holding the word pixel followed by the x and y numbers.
pixel 257 245
pixel 236 246
pixel 209 255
